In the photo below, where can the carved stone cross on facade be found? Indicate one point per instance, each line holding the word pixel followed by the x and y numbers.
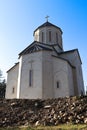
pixel 31 61
pixel 47 18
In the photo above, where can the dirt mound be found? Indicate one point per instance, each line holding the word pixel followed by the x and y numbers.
pixel 16 112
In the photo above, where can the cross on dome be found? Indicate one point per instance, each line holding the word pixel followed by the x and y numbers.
pixel 47 18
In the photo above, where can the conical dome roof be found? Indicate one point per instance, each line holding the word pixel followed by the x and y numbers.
pixel 47 24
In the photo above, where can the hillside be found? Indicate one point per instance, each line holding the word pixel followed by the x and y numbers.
pixel 17 112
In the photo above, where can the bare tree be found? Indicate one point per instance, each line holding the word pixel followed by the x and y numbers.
pixel 0 76
pixel 2 85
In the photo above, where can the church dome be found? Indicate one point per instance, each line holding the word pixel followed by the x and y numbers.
pixel 48 33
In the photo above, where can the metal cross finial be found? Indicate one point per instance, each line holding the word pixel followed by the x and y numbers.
pixel 47 18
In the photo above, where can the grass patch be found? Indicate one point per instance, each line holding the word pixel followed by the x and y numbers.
pixel 64 127
pixel 59 127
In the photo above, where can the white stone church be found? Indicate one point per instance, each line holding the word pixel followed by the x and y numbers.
pixel 44 69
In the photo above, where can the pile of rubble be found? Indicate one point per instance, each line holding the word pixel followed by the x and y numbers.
pixel 18 112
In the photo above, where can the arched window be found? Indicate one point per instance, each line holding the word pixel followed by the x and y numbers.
pixel 30 77
pixel 56 37
pixel 42 36
pixel 49 36
pixel 13 90
pixel 57 84
pixel 60 37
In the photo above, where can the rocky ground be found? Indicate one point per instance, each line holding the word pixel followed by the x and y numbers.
pixel 43 112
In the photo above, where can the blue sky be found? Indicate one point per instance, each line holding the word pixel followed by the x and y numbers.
pixel 19 18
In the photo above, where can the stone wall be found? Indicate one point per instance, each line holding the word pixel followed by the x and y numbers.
pixel 74 59
pixel 16 112
pixel 32 62
pixel 12 79
pixel 61 74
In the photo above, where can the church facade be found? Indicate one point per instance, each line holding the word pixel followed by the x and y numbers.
pixel 44 69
